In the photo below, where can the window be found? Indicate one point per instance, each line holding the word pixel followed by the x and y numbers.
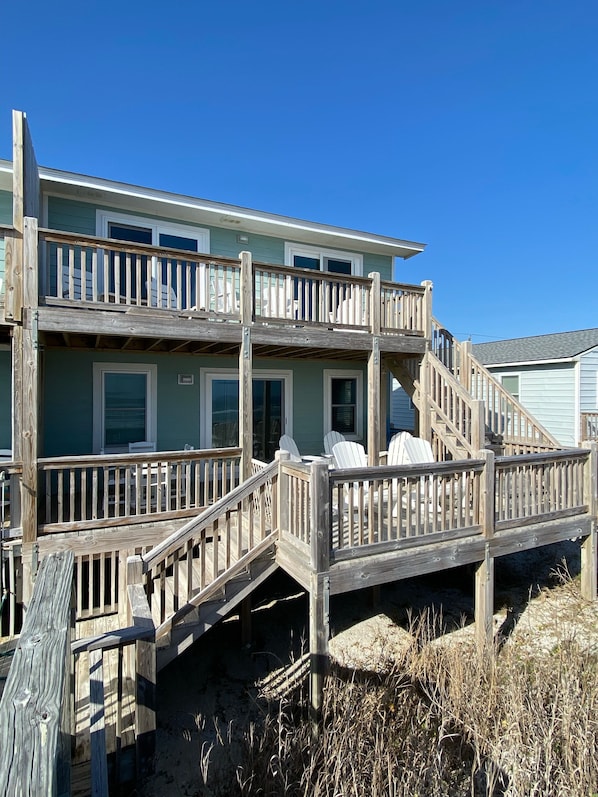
pixel 138 229
pixel 343 391
pixel 124 405
pixel 323 259
pixel 510 382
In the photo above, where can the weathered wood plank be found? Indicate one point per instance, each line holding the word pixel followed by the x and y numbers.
pixel 35 707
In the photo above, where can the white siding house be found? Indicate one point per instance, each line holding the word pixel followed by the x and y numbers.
pixel 554 376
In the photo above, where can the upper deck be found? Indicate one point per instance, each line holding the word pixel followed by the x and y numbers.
pixel 87 285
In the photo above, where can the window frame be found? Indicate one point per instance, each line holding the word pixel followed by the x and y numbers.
pixel 329 375
pixel 293 249
pixel 208 375
pixel 510 374
pixel 201 234
pixel 99 410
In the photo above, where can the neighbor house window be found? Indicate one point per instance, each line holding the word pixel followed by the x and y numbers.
pixel 323 259
pixel 343 397
pixel 124 405
pixel 510 382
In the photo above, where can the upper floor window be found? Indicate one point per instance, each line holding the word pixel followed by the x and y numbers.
pixel 139 230
pixel 331 260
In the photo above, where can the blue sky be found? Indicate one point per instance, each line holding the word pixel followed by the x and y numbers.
pixel 470 126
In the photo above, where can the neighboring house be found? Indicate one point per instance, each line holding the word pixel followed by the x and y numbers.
pixel 402 411
pixel 554 376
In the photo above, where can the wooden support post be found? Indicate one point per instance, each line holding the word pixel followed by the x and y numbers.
pixel 245 618
pixel 484 577
pixel 385 401
pixel 427 319
pixel 26 410
pixel 589 554
pixel 374 373
pixel 145 673
pixel 478 425
pixel 464 365
pixel 319 594
pixel 424 414
pixel 282 500
pixel 246 367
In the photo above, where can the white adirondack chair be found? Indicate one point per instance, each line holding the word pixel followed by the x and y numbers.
pixel 286 443
pixel 330 440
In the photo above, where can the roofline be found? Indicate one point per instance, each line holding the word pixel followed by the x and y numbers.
pixel 284 224
pixel 520 363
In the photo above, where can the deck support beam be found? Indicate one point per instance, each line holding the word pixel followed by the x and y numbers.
pixel 246 368
pixel 589 552
pixel 319 593
pixel 484 577
pixel 374 373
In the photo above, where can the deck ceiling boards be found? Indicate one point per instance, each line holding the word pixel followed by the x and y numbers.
pixel 78 341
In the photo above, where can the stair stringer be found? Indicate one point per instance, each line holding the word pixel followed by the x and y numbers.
pixel 216 608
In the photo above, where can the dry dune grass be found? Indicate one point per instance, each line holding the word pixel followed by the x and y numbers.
pixel 436 719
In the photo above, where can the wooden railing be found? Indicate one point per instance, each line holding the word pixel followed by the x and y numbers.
pixel 394 508
pixel 589 426
pixel 406 506
pixel 116 709
pixel 108 490
pixel 198 560
pixel 99 271
pixel 454 410
pixel 504 415
pixel 534 487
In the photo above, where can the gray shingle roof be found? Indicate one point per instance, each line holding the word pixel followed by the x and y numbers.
pixel 557 346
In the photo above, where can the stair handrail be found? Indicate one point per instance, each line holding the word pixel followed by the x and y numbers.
pixel 178 538
pixel 481 383
pixel 467 427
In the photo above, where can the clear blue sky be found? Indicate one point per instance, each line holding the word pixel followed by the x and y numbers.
pixel 471 126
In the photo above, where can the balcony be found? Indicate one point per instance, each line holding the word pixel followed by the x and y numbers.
pixel 88 272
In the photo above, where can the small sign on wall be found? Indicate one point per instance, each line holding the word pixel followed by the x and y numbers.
pixel 185 379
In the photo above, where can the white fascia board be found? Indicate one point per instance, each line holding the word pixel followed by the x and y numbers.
pixel 94 189
pixel 523 363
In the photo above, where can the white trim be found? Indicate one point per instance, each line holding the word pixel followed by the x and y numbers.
pixel 200 234
pixel 99 369
pixel 329 374
pixel 207 375
pixel 292 249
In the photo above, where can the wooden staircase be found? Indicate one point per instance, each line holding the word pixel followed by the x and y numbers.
pixel 462 407
pixel 203 571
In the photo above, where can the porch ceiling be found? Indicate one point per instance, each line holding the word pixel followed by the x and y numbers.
pixel 103 342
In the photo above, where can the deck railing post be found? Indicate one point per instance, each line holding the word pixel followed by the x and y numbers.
pixel 589 554
pixel 478 425
pixel 484 576
pixel 246 367
pixel 319 595
pixel 283 487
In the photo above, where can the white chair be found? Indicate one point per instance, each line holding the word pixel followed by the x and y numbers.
pixel 348 454
pixel 142 446
pixel 286 443
pixel 278 300
pixel 151 479
pixel 72 284
pixel 396 449
pixel 331 439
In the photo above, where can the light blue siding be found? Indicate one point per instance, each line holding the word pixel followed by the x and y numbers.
pixel 80 217
pixel 5 218
pixel 588 379
pixel 402 414
pixel 548 393
pixel 68 398
pixel 5 400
